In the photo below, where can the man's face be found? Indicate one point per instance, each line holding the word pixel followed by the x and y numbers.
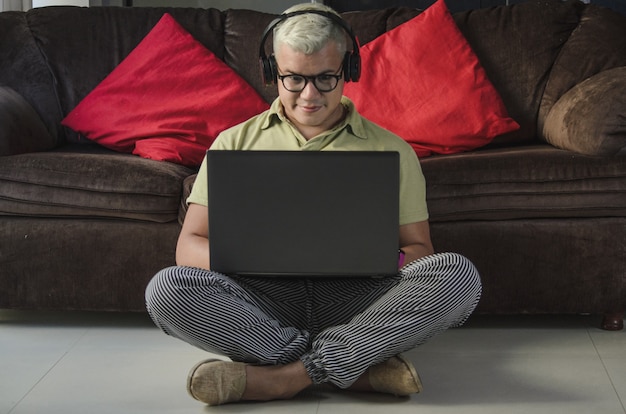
pixel 310 110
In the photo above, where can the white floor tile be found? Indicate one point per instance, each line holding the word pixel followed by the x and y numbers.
pixel 511 341
pixel 27 354
pixel 110 363
pixel 616 368
pixel 539 384
pixel 609 343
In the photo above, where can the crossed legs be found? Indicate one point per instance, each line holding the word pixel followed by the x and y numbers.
pixel 312 332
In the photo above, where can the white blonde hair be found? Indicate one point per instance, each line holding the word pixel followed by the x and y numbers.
pixel 309 33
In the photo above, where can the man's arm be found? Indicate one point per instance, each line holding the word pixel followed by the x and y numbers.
pixel 415 241
pixel 193 242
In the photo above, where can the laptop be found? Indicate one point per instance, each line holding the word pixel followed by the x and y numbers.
pixel 303 213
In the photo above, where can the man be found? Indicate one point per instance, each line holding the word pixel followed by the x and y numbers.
pixel 285 335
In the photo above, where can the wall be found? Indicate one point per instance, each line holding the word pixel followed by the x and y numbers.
pixel 8 5
pixel 273 6
pixel 44 3
pixel 453 5
pixel 277 6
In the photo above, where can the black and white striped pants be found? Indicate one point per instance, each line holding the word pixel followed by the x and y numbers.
pixel 336 327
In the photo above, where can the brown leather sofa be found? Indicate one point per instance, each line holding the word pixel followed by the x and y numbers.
pixel 541 215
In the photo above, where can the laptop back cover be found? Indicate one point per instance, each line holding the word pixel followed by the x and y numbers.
pixel 303 213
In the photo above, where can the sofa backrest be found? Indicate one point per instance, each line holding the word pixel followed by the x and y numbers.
pixel 517 45
pixel 242 33
pixel 24 69
pixel 55 56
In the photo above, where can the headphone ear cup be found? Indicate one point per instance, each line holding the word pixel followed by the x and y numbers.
pixel 351 67
pixel 268 69
pixel 355 65
pixel 347 74
pixel 273 70
pixel 263 65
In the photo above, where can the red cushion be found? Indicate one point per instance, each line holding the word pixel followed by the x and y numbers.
pixel 423 82
pixel 168 100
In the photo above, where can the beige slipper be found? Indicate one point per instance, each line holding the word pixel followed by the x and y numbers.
pixel 217 382
pixel 395 376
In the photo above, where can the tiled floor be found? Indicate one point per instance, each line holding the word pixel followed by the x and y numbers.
pixel 119 363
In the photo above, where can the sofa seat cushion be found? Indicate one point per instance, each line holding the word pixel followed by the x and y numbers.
pixel 90 183
pixel 514 183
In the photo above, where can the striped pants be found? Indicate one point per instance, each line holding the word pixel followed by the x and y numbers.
pixel 336 327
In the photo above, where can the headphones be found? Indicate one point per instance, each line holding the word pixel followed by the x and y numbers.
pixel 351 60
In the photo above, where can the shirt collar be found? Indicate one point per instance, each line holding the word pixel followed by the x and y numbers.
pixel 353 121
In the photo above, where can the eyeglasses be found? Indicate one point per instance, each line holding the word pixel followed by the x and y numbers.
pixel 324 82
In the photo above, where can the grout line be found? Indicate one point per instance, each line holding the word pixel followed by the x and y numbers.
pixel 606 370
pixel 45 374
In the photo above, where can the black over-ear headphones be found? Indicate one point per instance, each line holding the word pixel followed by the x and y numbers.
pixel 351 60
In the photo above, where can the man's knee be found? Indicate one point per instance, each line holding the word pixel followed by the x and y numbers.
pixel 157 286
pixel 465 271
pixel 453 274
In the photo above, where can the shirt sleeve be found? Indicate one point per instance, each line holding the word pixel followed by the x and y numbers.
pixel 413 206
pixel 200 191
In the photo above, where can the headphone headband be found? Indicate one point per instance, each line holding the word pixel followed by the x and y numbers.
pixel 351 62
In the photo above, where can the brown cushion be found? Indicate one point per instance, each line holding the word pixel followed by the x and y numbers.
pixel 591 117
pixel 21 128
pixel 597 44
pixel 535 182
pixel 90 183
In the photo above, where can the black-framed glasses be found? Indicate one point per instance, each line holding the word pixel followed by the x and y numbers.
pixel 324 82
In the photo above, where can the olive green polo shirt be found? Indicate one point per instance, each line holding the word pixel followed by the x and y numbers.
pixel 271 130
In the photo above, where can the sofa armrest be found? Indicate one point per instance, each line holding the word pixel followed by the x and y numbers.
pixel 591 117
pixel 21 128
